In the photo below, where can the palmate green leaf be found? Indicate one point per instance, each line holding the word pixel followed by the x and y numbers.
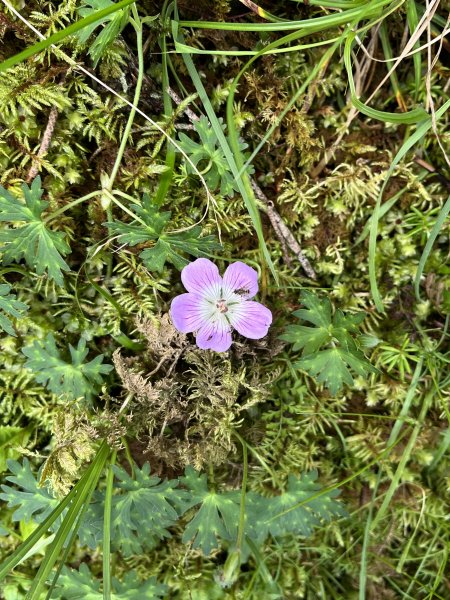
pixel 115 23
pixel 207 155
pixel 82 585
pixel 40 247
pixel 143 510
pixel 74 379
pixel 331 347
pixel 169 247
pixel 32 501
pixel 216 519
pixel 330 367
pixel 10 306
pixel 299 509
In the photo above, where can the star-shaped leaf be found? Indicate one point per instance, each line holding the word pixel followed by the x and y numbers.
pixel 76 378
pixel 299 509
pixel 330 347
pixel 169 247
pixel 82 585
pixel 32 500
pixel 143 509
pixel 40 247
pixel 216 519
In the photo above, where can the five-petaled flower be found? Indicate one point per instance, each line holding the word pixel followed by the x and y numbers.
pixel 214 306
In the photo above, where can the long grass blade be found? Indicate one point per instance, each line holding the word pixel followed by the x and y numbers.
pixel 63 34
pixel 443 213
pixel 406 146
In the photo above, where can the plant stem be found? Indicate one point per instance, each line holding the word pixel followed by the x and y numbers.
pixel 137 94
pixel 70 205
pixel 107 529
pixel 241 526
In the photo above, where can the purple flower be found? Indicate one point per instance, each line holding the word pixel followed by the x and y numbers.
pixel 215 305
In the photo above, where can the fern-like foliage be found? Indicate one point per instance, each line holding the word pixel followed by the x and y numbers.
pixel 82 585
pixel 74 379
pixel 42 248
pixel 21 93
pixel 150 226
pixel 330 347
pixel 11 306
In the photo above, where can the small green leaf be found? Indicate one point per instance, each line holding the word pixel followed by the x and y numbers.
pixel 300 508
pixel 76 378
pixel 143 509
pixel 33 502
pixel 207 155
pixel 10 306
pixel 216 519
pixel 40 247
pixel 115 23
pixel 331 348
pixel 169 247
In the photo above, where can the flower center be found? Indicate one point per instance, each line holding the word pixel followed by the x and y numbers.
pixel 221 306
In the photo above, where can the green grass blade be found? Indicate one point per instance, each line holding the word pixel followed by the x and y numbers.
pixel 406 146
pixel 166 177
pixel 18 555
pixel 389 56
pixel 107 529
pixel 443 213
pixel 53 551
pixel 410 117
pixel 393 437
pixel 413 21
pixel 243 181
pixel 61 35
pixel 317 24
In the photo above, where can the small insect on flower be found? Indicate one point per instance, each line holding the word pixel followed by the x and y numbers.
pixel 214 306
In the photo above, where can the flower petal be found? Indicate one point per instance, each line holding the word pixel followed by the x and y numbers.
pixel 214 336
pixel 187 312
pixel 251 319
pixel 202 277
pixel 242 279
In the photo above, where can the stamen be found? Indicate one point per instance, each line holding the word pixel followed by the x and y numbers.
pixel 221 306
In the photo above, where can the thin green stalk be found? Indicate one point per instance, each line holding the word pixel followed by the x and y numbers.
pixel 404 460
pixel 18 555
pixel 241 526
pixel 70 205
pixel 443 213
pixel 166 177
pixel 107 528
pixel 69 544
pixel 420 132
pixel 137 24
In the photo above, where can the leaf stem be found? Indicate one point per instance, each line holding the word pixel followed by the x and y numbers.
pixel 70 205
